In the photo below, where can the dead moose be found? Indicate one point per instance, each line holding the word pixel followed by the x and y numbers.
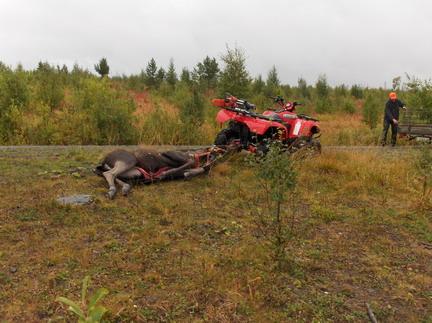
pixel 147 166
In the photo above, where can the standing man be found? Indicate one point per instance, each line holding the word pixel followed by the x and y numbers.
pixel 391 117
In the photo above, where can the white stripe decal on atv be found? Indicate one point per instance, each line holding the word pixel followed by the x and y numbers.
pixel 297 128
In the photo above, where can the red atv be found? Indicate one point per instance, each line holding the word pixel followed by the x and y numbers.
pixel 256 131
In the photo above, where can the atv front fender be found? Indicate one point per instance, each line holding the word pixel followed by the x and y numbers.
pixel 224 116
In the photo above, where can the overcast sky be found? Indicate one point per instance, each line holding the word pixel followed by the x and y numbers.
pixel 362 41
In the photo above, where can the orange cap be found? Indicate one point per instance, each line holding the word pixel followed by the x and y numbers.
pixel 393 95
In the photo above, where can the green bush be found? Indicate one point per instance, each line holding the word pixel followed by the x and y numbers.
pixel 371 111
pixel 322 87
pixel 258 85
pixel 88 309
pixel 192 117
pixel 323 105
pixel 348 106
pixel 234 78
pixel 160 128
pixel 272 86
pixel 49 85
pixel 107 113
pixel 341 90
pixel 357 91
pixel 206 73
pixel 192 109
pixel 277 179
pixel 420 98
pixel 14 90
pixel 424 167
pixel 43 128
pixel 352 137
pixel 303 88
pixel 102 68
pixel 14 98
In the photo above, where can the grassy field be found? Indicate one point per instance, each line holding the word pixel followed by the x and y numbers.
pixel 191 251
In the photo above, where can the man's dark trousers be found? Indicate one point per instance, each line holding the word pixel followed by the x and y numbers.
pixel 394 128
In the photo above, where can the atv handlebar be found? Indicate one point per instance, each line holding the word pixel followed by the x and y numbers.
pixel 280 99
pixel 231 101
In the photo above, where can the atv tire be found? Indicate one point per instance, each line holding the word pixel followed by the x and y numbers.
pixel 316 146
pixel 305 147
pixel 224 137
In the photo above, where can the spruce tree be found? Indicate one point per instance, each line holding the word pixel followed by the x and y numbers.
pixel 357 91
pixel 322 87
pixel 272 82
pixel 234 77
pixel 303 88
pixel 102 68
pixel 207 72
pixel 171 75
pixel 150 73
pixel 185 76
pixel 160 76
pixel 258 85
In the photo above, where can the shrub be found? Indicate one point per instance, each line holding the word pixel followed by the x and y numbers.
pixel 160 128
pixel 272 83
pixel 341 90
pixel 323 105
pixel 185 76
pixel 171 75
pixel 13 90
pixel 107 113
pixel 357 91
pixel 258 85
pixel 424 167
pixel 420 98
pixel 206 73
pixel 303 88
pixel 88 311
pixel 371 111
pixel 14 98
pixel 49 85
pixel 322 88
pixel 102 68
pixel 42 127
pixel 348 106
pixel 150 74
pixel 192 117
pixel 359 136
pixel 277 177
pixel 234 77
pixel 192 109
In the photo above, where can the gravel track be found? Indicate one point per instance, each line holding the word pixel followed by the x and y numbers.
pixel 7 152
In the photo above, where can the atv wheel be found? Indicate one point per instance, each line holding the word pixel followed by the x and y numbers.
pixel 224 137
pixel 306 147
pixel 315 146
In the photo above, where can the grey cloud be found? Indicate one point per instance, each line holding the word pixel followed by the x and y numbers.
pixel 366 42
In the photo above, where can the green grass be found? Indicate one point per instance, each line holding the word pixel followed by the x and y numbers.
pixel 190 250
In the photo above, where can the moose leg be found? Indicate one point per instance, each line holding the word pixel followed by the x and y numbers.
pixel 179 171
pixel 125 186
pixel 193 172
pixel 111 175
pixel 131 174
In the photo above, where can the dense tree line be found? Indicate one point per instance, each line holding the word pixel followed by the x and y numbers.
pixel 54 105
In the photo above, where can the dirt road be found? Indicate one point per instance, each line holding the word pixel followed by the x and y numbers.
pixel 55 150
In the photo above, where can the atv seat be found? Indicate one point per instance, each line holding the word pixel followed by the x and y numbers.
pixel 273 117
